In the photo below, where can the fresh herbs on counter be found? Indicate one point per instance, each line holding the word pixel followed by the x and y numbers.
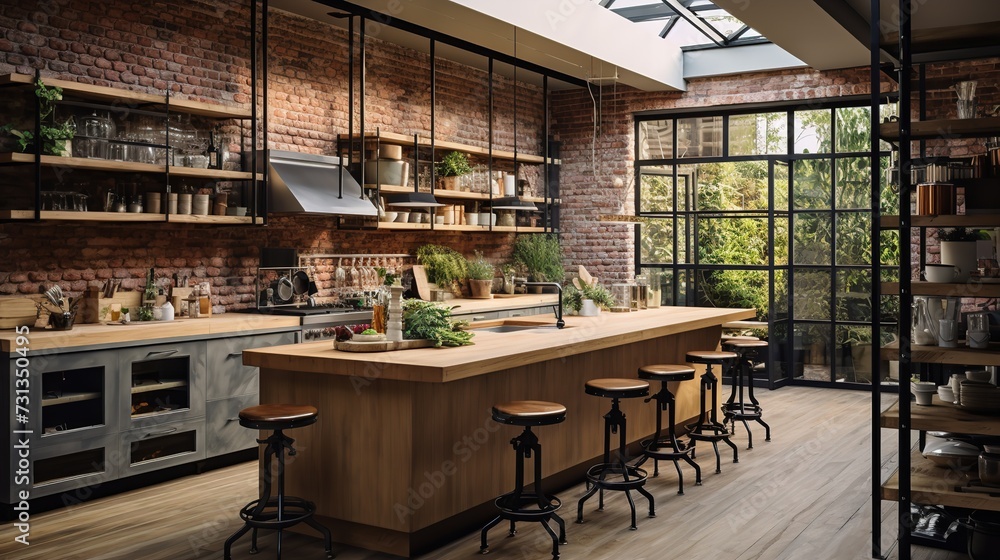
pixel 427 320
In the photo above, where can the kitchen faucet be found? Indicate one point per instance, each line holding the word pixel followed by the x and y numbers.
pixel 558 307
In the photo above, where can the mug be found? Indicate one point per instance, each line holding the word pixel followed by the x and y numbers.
pixel 941 272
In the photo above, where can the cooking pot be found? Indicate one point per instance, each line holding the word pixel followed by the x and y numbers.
pixel 983 528
pixel 283 290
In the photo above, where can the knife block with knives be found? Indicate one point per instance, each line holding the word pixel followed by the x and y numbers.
pixel 96 306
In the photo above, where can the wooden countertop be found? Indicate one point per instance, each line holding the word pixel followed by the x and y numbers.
pixel 494 351
pixel 98 334
pixel 500 302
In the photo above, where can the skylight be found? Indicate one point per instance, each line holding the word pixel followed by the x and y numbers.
pixel 689 24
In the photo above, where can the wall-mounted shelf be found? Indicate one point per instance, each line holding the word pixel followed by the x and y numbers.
pixel 948 220
pixel 457 195
pixel 126 167
pixel 942 416
pixel 407 140
pixel 939 355
pixel 122 217
pixel 944 129
pixel 971 289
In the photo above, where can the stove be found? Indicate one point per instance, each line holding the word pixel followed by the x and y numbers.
pixel 318 322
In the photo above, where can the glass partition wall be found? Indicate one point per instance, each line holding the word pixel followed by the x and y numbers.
pixel 770 209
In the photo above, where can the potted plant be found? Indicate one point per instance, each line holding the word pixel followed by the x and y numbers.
pixel 56 136
pixel 540 257
pixel 450 168
pixel 480 274
pixel 588 299
pixel 445 266
pixel 958 248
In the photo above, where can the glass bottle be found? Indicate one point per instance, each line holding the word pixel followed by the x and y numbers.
pixel 214 161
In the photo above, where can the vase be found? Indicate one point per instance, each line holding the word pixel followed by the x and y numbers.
pixel 961 254
pixel 589 309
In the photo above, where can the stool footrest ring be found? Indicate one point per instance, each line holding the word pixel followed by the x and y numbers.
pixel 596 474
pixel 664 450
pixel 527 508
pixel 296 510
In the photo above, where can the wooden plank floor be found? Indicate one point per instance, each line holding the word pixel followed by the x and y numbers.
pixel 804 495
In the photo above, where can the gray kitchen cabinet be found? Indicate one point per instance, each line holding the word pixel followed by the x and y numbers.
pixel 161 383
pixel 163 445
pixel 223 432
pixel 228 376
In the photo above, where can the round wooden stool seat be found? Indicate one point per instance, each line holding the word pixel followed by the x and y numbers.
pixel 529 413
pixel 617 388
pixel 748 344
pixel 728 337
pixel 666 372
pixel 278 416
pixel 709 357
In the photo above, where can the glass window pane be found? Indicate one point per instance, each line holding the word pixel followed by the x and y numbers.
pixel 854 244
pixel 811 184
pixel 813 242
pixel 813 131
pixel 889 241
pixel 811 295
pixel 854 189
pixel 758 134
pixel 685 235
pixel 699 137
pixel 812 356
pixel 780 247
pixel 733 240
pixel 780 186
pixel 740 185
pixel 736 288
pixel 854 295
pixel 656 188
pixel 656 139
pixel 656 241
pixel 854 129
pixel 780 309
pixel 889 195
pixel 854 354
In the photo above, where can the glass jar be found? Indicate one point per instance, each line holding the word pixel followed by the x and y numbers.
pixel 622 295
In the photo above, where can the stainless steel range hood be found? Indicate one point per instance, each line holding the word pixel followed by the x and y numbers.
pixel 312 184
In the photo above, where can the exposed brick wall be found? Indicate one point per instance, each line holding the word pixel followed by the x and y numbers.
pixel 199 49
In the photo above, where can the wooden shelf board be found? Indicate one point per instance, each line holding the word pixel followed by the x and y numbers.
pixel 71 398
pixel 81 216
pixel 423 142
pixel 125 166
pixel 944 128
pixel 971 289
pixel 930 484
pixel 967 220
pixel 447 194
pixel 403 225
pixel 461 227
pixel 944 417
pixel 939 355
pixel 217 220
pixel 948 38
pixel 163 386
pixel 102 93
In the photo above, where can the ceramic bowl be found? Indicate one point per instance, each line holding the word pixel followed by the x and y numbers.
pixel 402 216
pixel 951 454
pixel 368 338
pixel 389 217
pixel 980 375
pixel 940 273
pixel 946 394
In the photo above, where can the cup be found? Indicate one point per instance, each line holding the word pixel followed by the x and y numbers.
pixel 472 218
pixel 184 203
pixel 199 205
pixel 977 339
pixel 947 333
pixel 153 202
pixel 172 203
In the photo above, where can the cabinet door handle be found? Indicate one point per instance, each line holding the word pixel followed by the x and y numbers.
pixel 160 433
pixel 236 419
pixel 479 317
pixel 161 353
pixel 516 314
pixel 236 354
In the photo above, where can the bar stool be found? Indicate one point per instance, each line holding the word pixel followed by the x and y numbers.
pixel 735 408
pixel 624 477
pixel 667 448
pixel 708 428
pixel 518 506
pixel 281 511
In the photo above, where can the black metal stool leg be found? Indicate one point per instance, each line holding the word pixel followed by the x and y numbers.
pixel 227 549
pixel 562 528
pixel 555 540
pixel 767 429
pixel 697 470
pixel 483 546
pixel 680 479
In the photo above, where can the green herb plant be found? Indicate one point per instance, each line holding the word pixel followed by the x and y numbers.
pixel 55 134
pixel 540 257
pixel 957 234
pixel 427 320
pixel 573 297
pixel 479 268
pixel 445 266
pixel 453 164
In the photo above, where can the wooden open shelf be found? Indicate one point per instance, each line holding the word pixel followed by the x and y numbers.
pixel 950 220
pixel 126 167
pixel 216 220
pixel 944 417
pixel 123 217
pixel 939 355
pixel 162 386
pixel 930 484
pixel 407 140
pixel 403 225
pixel 107 94
pixel 456 195
pixel 67 398
pixel 944 129
pixel 970 289
pixel 948 38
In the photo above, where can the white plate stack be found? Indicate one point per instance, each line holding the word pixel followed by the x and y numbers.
pixel 980 397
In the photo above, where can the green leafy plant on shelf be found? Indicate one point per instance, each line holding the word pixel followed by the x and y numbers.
pixel 540 257
pixel 453 165
pixel 428 320
pixel 56 135
pixel 446 267
pixel 957 234
pixel 573 297
pixel 479 268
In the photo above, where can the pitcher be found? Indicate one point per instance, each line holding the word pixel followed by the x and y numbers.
pixel 920 334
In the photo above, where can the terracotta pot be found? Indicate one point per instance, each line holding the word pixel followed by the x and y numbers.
pixel 480 289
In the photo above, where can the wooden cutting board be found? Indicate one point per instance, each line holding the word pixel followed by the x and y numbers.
pixel 382 345
pixel 421 283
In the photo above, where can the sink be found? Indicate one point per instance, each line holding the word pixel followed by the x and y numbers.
pixel 514 328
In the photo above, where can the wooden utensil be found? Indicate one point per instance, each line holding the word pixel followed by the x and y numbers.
pixel 420 282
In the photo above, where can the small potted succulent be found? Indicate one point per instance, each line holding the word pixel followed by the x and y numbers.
pixel 587 297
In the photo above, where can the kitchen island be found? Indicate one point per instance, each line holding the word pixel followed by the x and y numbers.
pixel 405 452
